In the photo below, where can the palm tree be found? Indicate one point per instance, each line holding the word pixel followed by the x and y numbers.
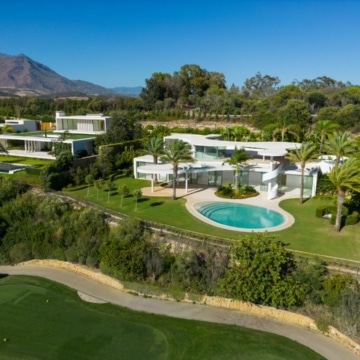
pixel 345 177
pixel 238 132
pixel 175 152
pixel 3 149
pixel 154 147
pixel 302 155
pixel 339 144
pixel 6 129
pixel 226 133
pixel 323 129
pixel 286 129
pixel 238 157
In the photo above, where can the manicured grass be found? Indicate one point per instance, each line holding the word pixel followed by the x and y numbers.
pixel 68 136
pixel 308 234
pixel 163 210
pixel 27 177
pixel 24 160
pixel 45 320
pixel 317 235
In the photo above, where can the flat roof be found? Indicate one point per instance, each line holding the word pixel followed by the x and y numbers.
pixel 263 148
pixel 43 139
pixel 85 117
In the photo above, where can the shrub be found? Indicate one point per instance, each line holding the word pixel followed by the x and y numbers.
pixel 322 324
pixel 243 191
pixel 352 219
pixel 226 190
pixel 325 210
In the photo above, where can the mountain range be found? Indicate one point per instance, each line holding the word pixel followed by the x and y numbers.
pixel 22 76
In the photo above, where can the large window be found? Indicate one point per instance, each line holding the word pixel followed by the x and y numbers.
pixel 215 178
pixel 209 152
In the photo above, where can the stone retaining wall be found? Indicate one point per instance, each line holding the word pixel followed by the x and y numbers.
pixel 265 311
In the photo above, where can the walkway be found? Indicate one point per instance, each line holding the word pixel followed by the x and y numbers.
pixel 323 345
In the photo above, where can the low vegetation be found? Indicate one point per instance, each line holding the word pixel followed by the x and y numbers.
pixel 242 192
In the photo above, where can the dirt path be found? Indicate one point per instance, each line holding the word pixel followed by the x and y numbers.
pixel 321 344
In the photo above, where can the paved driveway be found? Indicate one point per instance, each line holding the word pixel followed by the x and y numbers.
pixel 323 345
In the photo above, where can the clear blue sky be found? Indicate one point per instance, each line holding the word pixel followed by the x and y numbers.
pixel 121 43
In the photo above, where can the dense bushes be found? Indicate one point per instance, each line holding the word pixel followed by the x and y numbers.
pixel 349 216
pixel 242 192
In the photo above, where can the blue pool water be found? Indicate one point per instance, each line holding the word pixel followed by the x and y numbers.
pixel 240 215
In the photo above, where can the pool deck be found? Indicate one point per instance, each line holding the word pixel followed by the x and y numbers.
pixel 205 194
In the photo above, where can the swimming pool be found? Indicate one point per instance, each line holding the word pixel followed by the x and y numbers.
pixel 240 215
pixel 9 168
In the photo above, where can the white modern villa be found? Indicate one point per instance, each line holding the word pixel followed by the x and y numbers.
pixel 92 124
pixel 30 144
pixel 268 170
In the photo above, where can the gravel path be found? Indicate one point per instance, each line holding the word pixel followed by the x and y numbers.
pixel 318 342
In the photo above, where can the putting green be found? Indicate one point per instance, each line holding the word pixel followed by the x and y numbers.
pixel 41 319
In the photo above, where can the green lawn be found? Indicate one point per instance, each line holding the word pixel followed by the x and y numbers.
pixel 68 136
pixel 308 234
pixel 27 177
pixel 316 235
pixel 163 210
pixel 24 160
pixel 41 319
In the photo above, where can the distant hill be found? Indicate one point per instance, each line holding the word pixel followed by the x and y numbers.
pixel 22 76
pixel 127 91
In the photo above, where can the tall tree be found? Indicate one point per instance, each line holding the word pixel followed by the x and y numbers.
pixel 154 147
pixel 302 155
pixel 296 112
pixel 238 157
pixel 3 149
pixel 175 152
pixel 155 89
pixel 345 177
pixel 260 85
pixel 339 144
pixel 284 129
pixel 323 129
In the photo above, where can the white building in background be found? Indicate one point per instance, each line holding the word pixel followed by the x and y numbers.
pixel 92 124
pixel 22 125
pixel 41 145
pixel 268 170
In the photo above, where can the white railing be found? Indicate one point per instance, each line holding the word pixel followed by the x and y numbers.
pixel 270 175
pixel 270 179
pixel 273 191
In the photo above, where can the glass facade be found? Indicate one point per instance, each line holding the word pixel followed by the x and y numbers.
pixel 209 152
